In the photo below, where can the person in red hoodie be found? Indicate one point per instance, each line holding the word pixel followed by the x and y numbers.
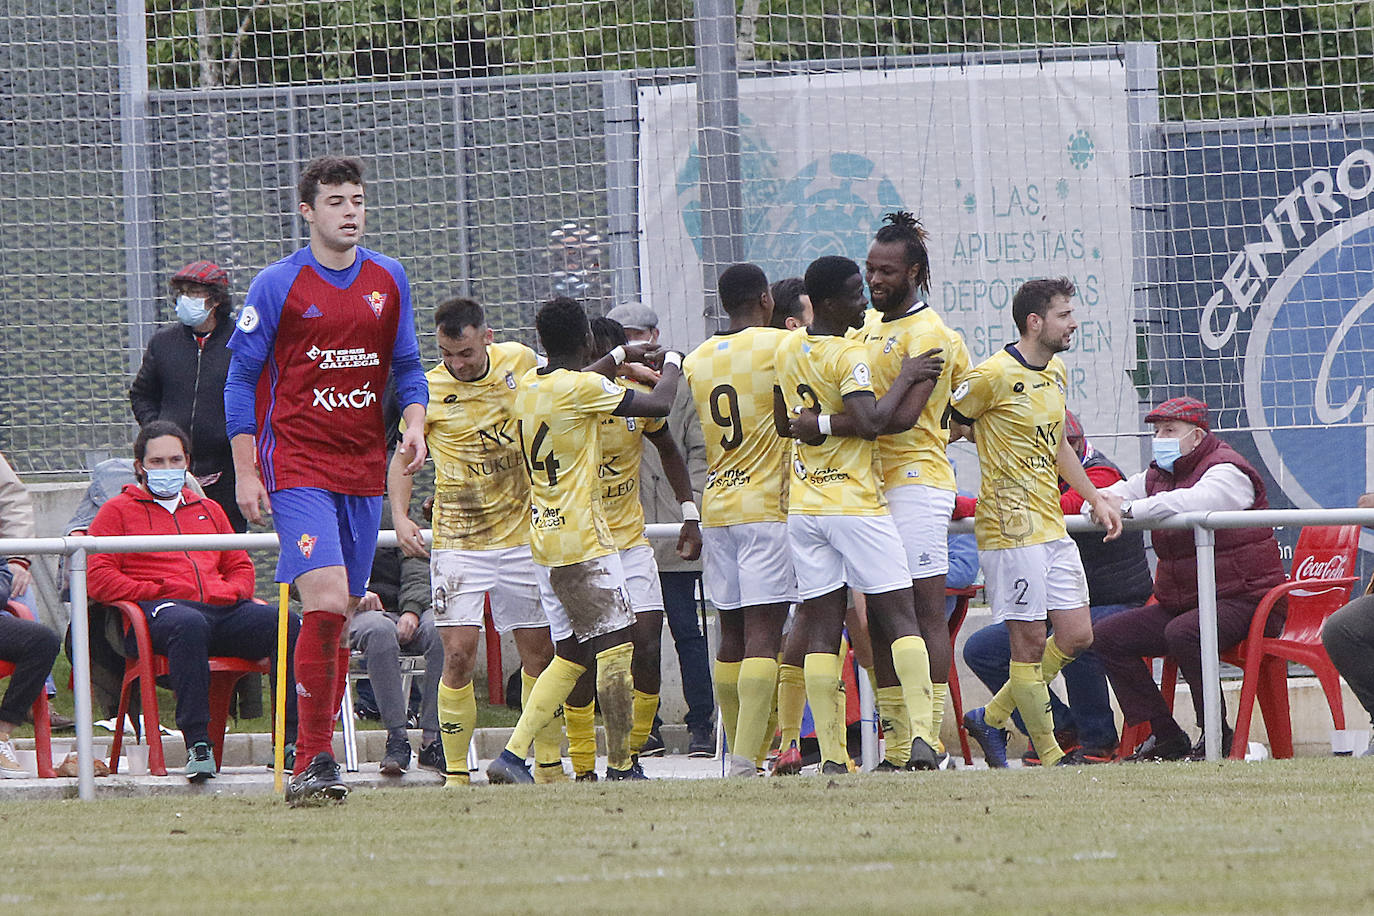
pixel 198 602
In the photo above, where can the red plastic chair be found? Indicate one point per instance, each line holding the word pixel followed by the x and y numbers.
pixel 42 719
pixel 146 667
pixel 956 621
pixel 1320 585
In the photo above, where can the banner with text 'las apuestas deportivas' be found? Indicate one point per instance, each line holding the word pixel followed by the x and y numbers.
pixel 1017 170
pixel 1273 234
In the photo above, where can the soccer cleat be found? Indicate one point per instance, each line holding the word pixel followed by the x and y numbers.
pixel 789 762
pixel 702 743
pixel 1073 758
pixel 741 766
pixel 549 773
pixel 432 756
pixel 9 762
pixel 922 755
pixel 396 760
pixel 831 768
pixel 320 782
pixel 1152 749
pixel 633 773
pixel 653 745
pixel 200 762
pixel 993 741
pixel 1066 738
pixel 887 766
pixel 453 780
pixel 943 761
pixel 508 769
pixel 589 776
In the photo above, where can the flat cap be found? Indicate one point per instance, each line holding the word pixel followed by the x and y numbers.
pixel 1189 410
pixel 634 315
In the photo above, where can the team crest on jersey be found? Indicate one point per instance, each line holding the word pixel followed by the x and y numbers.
pixel 630 424
pixel 510 380
pixel 891 342
pixel 376 301
pixel 307 545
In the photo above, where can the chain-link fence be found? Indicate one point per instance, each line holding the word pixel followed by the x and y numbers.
pixel 1201 169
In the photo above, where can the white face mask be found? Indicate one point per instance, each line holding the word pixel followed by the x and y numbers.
pixel 192 312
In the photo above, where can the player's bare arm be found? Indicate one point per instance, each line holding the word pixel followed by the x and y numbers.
pixel 781 421
pixel 639 352
pixel 1104 510
pixel 249 491
pixel 399 486
pixel 896 411
pixel 413 439
pixel 675 469
pixel 659 401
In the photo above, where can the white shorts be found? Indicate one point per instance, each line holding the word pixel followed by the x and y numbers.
pixel 461 579
pixel 921 514
pixel 641 579
pixel 747 565
pixel 861 551
pixel 586 599
pixel 1025 583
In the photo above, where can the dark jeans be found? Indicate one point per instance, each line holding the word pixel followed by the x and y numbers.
pixel 1089 711
pixel 693 655
pixel 1153 631
pixel 31 648
pixel 1348 636
pixel 189 632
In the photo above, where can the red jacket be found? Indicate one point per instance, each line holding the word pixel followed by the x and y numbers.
pixel 214 577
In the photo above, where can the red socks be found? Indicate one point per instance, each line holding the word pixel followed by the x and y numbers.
pixel 318 673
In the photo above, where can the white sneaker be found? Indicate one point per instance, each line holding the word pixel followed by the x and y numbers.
pixel 9 762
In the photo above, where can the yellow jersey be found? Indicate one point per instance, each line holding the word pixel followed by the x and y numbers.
pixel 1018 418
pixel 557 415
pixel 836 477
pixel 622 447
pixel 917 455
pixel 481 488
pixel 731 377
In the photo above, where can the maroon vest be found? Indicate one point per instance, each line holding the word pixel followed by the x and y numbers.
pixel 1247 559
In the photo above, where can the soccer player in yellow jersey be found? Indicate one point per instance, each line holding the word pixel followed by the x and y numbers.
pixel 838 523
pixel 747 563
pixel 918 480
pixel 622 447
pixel 1014 403
pixel 581 579
pixel 481 528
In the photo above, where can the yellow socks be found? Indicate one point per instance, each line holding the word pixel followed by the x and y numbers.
pixel 912 664
pixel 1053 660
pixel 645 707
pixel 939 694
pixel 550 690
pixel 999 709
pixel 548 743
pixel 823 686
pixel 457 719
pixel 791 704
pixel 757 685
pixel 615 689
pixel 896 725
pixel 727 698
pixel 580 722
pixel 1027 683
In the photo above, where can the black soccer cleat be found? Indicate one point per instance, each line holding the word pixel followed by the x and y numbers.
pixel 318 783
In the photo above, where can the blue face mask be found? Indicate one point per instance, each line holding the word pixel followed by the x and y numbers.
pixel 192 312
pixel 1166 452
pixel 165 483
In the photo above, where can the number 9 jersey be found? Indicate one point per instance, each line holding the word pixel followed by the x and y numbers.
pixel 732 376
pixel 558 413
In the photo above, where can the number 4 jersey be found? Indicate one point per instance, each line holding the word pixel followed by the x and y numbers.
pixel 732 376
pixel 558 413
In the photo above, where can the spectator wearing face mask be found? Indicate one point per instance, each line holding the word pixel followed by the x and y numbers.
pixel 182 378
pixel 1192 471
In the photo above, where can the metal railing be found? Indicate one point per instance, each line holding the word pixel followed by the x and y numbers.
pixel 1203 524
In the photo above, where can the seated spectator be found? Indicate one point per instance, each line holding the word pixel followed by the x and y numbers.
pixel 395 618
pixel 198 603
pixel 963 552
pixel 1118 579
pixel 1348 636
pixel 28 645
pixel 1192 471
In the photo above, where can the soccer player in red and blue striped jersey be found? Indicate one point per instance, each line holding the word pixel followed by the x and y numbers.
pixel 318 335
